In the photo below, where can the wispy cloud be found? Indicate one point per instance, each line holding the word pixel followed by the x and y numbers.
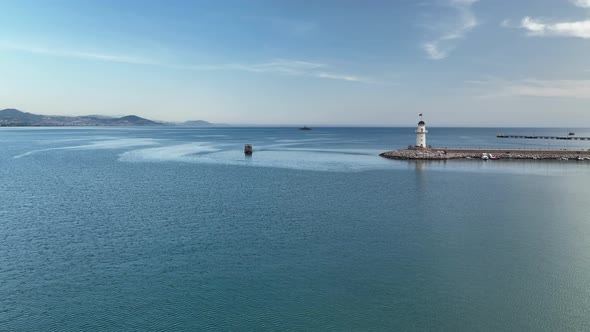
pixel 541 28
pixel 433 50
pixel 277 67
pixel 342 77
pixel 439 48
pixel 282 67
pixel 77 54
pixel 506 23
pixel 581 3
pixel 580 29
pixel 494 87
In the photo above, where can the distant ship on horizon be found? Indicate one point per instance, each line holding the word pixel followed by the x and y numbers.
pixel 305 128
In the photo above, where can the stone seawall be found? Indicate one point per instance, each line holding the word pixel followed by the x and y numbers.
pixel 446 154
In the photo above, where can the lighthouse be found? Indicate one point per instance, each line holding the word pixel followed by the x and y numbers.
pixel 421 134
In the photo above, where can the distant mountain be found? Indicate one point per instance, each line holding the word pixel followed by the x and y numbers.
pixel 197 123
pixel 202 123
pixel 11 117
pixel 16 116
pixel 131 120
pixel 103 116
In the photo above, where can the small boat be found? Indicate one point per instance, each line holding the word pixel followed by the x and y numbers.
pixel 572 133
pixel 484 156
pixel 305 128
pixel 580 158
pixel 248 149
pixel 563 158
pixel 492 157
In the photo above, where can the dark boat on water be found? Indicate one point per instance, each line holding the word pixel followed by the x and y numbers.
pixel 572 133
pixel 305 128
pixel 248 149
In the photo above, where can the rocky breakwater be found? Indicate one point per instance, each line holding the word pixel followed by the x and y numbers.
pixel 419 154
pixel 446 154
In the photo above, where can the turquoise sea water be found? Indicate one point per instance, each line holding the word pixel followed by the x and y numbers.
pixel 135 229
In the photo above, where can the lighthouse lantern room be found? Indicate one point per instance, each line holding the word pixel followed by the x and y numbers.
pixel 421 135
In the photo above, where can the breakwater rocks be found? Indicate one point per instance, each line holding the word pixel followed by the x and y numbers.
pixel 446 154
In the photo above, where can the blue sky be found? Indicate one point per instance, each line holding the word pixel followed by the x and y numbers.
pixel 460 62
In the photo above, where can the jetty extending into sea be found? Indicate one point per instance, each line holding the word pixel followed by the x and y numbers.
pixel 421 151
pixel 570 137
pixel 415 153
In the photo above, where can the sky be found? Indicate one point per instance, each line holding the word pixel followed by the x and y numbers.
pixel 278 62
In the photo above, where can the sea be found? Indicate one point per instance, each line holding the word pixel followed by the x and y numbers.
pixel 175 229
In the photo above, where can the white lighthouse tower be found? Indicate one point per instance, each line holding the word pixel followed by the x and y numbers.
pixel 421 134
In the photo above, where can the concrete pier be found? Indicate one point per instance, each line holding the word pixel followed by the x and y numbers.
pixel 566 138
pixel 447 154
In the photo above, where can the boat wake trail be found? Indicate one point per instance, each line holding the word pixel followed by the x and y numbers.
pixel 300 159
pixel 183 152
pixel 111 144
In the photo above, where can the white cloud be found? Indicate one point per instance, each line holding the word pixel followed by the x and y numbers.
pixel 341 77
pixel 575 29
pixel 433 51
pixel 580 29
pixel 579 89
pixel 582 3
pixel 277 67
pixel 532 25
pixel 440 47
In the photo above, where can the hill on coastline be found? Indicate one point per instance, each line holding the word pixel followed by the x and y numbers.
pixel 202 123
pixel 11 117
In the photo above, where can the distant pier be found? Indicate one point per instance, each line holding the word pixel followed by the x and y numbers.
pixel 565 138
